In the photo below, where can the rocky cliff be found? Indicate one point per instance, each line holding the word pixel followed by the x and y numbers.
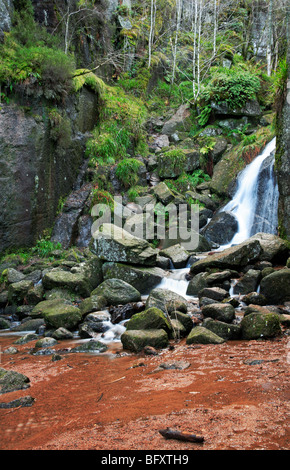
pixel 41 151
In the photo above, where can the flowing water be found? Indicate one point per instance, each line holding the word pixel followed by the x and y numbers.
pixel 256 199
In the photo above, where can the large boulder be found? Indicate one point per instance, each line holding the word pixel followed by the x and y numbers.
pixel 11 380
pixel 219 311
pixel 115 244
pixel 222 228
pixel 75 282
pixel 222 329
pixel 117 292
pixel 166 300
pixel 248 283
pixel 178 255
pixel 140 277
pixel 136 340
pixel 58 313
pixel 18 291
pixel 274 248
pixel 180 121
pixel 230 258
pixel 201 335
pixel 149 319
pixel 259 325
pixel 276 286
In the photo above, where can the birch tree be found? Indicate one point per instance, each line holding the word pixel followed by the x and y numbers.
pixel 269 37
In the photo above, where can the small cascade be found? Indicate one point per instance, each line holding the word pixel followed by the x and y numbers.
pixel 176 281
pixel 256 200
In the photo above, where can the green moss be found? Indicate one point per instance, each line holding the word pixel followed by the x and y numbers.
pixel 127 171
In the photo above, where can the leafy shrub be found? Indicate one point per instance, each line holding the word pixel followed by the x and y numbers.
pixel 127 171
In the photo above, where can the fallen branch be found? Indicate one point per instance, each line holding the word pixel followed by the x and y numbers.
pixel 180 435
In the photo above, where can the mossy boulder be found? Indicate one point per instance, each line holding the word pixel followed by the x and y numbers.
pixel 149 319
pixel 142 278
pixel 201 335
pixel 276 286
pixel 58 313
pixel 93 303
pixel 117 292
pixel 45 342
pixel 26 338
pixel 75 282
pixel 260 325
pixel 136 340
pixel 222 329
pixel 11 381
pixel 224 312
pixel 166 300
pixel 92 346
pixel 182 318
pixel 18 291
pixel 234 257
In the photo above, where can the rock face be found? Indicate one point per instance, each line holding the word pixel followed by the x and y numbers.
pixel 6 9
pixel 282 160
pixel 36 169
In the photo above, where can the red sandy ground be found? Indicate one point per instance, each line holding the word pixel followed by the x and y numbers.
pixel 118 401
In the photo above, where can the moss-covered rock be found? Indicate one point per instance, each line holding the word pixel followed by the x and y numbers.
pixel 117 292
pixel 166 300
pixel 92 346
pixel 276 286
pixel 136 340
pixel 222 329
pixel 149 319
pixel 11 381
pixel 142 278
pixel 92 304
pixel 219 311
pixel 58 313
pixel 75 282
pixel 201 335
pixel 259 325
pixel 18 291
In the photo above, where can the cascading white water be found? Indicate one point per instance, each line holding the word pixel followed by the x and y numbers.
pixel 176 281
pixel 245 201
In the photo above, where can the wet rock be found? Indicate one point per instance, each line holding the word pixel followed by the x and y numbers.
pixel 136 340
pixel 63 279
pixel 10 350
pixel 93 303
pixel 12 275
pixel 219 311
pixel 163 193
pixel 45 343
pixel 26 338
pixel 92 346
pixel 115 244
pixel 19 402
pixel 11 381
pixel 4 324
pixel 260 325
pixel 178 255
pixel 221 229
pixel 180 121
pixel 143 279
pixel 231 258
pixel 166 300
pixel 58 313
pixel 176 365
pixel 182 318
pixel 276 286
pixel 197 284
pixel 152 318
pixel 274 248
pixel 29 325
pixel 248 283
pixel 18 291
pixel 62 333
pixel 215 293
pixel 116 292
pixel 255 298
pixel 201 335
pixel 250 109
pixel 97 322
pixel 222 329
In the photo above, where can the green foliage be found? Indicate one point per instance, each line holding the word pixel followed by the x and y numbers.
pixel 60 128
pixel 82 77
pixel 100 196
pixel 127 171
pixel 45 247
pixel 233 86
pixel 187 182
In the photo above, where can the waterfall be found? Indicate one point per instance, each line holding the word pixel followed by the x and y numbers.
pixel 256 199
